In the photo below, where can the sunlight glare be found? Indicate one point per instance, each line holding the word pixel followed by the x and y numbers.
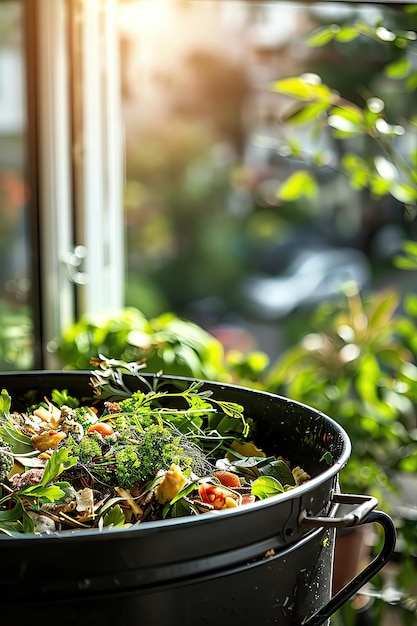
pixel 145 14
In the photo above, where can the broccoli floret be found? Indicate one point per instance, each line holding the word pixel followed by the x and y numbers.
pixel 86 450
pixel 129 470
pixel 85 416
pixel 156 449
pixel 133 405
pixel 6 459
pixel 120 423
pixel 159 448
pixel 133 460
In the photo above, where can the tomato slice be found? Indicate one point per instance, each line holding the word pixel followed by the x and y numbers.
pixel 218 497
pixel 248 498
pixel 228 479
pixel 102 428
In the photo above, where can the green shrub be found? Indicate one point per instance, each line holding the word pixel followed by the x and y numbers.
pixel 167 343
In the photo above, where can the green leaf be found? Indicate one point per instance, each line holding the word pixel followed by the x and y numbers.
pixel 62 397
pixel 19 442
pixel 399 69
pixel 304 89
pixel 411 82
pixel 370 118
pixel 28 523
pixel 57 463
pixel 327 457
pixel 114 517
pixel 265 487
pixel 279 470
pixel 368 379
pixel 184 492
pixel 297 185
pixel 410 306
pixel 11 528
pixel 405 263
pixel 323 36
pixel 347 33
pixel 307 113
pixel 13 514
pixel 349 112
pixel 48 494
pixel 253 461
pixel 16 519
pixel 5 403
pixel 235 420
pixel 251 466
pixel 380 186
pixel 180 508
pixel 357 169
pixel 381 313
pixel 295 147
pixel 410 247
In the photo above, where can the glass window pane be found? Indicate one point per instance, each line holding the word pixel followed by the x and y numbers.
pixel 208 146
pixel 16 328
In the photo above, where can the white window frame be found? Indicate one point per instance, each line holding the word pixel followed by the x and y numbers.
pixel 81 246
pixel 55 197
pixel 101 222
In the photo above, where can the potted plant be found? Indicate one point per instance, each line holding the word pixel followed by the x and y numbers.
pixel 357 367
pixel 359 362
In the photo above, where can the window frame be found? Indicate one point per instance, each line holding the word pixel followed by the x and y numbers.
pixel 74 166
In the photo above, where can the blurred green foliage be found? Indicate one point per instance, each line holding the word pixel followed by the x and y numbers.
pixel 16 338
pixel 167 343
pixel 368 130
pixel 358 367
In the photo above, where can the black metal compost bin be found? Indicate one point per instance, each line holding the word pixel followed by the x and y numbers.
pixel 266 563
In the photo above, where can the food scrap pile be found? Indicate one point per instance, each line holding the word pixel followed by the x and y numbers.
pixel 146 455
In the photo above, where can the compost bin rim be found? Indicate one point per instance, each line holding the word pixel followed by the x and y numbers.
pixel 158 526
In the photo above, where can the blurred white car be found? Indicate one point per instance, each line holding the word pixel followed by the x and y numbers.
pixel 313 276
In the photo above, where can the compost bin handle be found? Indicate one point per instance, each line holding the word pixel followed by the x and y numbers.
pixel 353 518
pixel 349 590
